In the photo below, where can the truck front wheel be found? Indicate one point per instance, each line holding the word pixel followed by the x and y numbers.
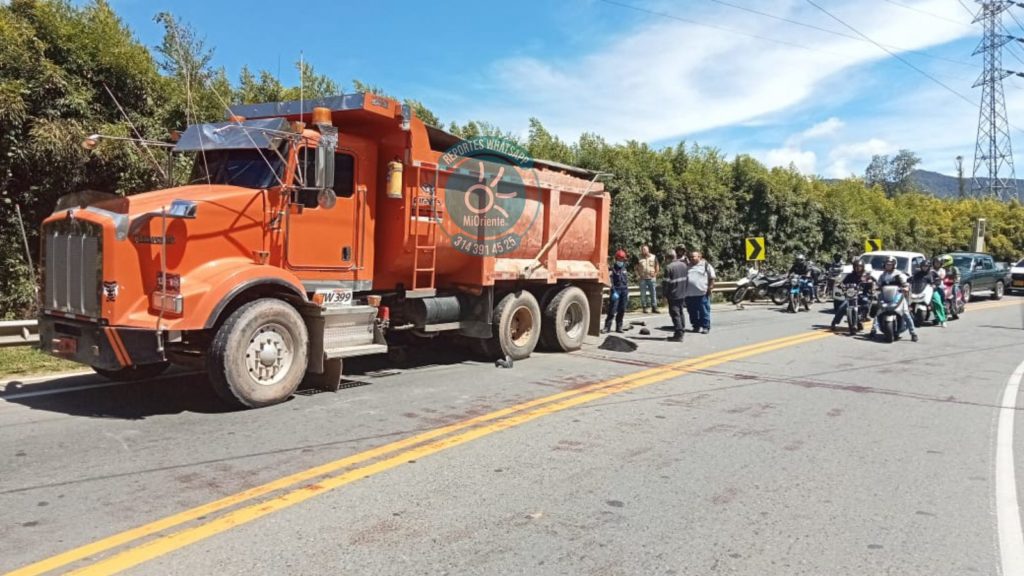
pixel 259 354
pixel 566 320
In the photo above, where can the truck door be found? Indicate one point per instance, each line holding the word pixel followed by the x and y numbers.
pixel 986 273
pixel 326 238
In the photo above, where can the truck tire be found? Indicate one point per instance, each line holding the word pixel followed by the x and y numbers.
pixel 566 321
pixel 259 354
pixel 131 373
pixel 997 290
pixel 517 326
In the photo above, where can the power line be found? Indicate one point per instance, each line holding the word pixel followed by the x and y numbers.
pixel 893 54
pixel 724 29
pixel 759 37
pixel 833 32
pixel 927 13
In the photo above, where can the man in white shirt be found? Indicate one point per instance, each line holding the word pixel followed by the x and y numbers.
pixel 700 281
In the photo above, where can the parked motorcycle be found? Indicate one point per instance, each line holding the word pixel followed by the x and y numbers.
pixel 921 301
pixel 799 293
pixel 755 285
pixel 779 290
pixel 891 305
pixel 954 299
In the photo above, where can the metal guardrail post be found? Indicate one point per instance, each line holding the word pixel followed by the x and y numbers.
pixel 19 333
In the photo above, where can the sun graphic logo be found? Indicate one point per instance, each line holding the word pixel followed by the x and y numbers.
pixel 486 182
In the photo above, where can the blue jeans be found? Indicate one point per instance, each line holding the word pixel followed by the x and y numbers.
pixel 616 307
pixel 699 310
pixel 648 293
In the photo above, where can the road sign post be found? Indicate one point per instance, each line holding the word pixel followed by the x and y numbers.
pixel 755 249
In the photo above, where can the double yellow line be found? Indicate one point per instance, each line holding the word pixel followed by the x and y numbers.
pixel 346 470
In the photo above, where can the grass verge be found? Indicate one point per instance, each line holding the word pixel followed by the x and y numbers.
pixel 24 360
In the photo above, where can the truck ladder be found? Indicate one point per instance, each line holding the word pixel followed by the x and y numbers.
pixel 424 229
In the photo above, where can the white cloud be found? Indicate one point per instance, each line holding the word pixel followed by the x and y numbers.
pixel 804 160
pixel 822 129
pixel 668 79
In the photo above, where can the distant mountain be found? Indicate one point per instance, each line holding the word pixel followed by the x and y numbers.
pixel 946 186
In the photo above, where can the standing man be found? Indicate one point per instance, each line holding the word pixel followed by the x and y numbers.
pixel 700 282
pixel 619 295
pixel 647 270
pixel 675 292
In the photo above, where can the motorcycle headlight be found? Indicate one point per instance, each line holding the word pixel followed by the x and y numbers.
pixel 851 292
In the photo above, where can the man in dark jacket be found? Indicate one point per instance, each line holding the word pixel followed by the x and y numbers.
pixel 675 292
pixel 619 295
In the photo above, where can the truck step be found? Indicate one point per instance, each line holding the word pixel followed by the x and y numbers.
pixel 421 293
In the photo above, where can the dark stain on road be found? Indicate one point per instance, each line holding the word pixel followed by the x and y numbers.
pixel 794 446
pixel 875 546
pixel 835 412
pixel 725 497
pixel 30 524
pixel 42 504
pixel 20 453
pixel 615 503
pixel 923 513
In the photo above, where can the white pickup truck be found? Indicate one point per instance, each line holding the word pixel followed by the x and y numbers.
pixel 874 262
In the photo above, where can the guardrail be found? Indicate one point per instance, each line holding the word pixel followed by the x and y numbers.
pixel 18 333
pixel 719 287
pixel 26 332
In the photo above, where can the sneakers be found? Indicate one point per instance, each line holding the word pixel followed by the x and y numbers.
pixel 645 311
pixel 619 330
pixel 704 330
pixel 675 338
pixel 655 311
pixel 913 337
pixel 942 324
pixel 606 329
pixel 832 326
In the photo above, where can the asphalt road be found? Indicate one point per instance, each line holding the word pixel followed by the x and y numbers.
pixel 766 447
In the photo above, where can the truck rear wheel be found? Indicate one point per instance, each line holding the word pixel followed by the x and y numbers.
pixel 517 327
pixel 566 320
pixel 259 354
pixel 128 374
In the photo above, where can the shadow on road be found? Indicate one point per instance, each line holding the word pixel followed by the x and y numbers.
pixel 180 391
pixel 96 397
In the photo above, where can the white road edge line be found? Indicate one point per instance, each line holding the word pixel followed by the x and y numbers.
pixel 1011 538
pixel 61 390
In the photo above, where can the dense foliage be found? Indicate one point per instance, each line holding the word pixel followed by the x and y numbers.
pixel 61 66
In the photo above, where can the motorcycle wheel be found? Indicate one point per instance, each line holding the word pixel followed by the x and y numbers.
pixel 791 305
pixel 919 317
pixel 851 320
pixel 779 296
pixel 807 304
pixel 889 330
pixel 740 294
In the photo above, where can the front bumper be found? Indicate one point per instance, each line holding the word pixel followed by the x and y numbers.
pixel 107 347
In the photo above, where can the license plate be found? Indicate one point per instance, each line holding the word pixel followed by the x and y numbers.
pixel 333 297
pixel 64 346
pixel 1018 283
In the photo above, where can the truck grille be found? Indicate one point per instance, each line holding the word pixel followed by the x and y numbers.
pixel 1018 276
pixel 72 269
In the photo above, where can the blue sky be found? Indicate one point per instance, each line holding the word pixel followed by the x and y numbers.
pixel 653 70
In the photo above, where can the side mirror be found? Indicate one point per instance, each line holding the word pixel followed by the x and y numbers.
pixel 324 177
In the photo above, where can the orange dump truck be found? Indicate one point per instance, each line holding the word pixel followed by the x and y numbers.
pixel 316 231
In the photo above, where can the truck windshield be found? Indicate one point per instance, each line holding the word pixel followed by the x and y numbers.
pixel 247 168
pixel 877 262
pixel 963 262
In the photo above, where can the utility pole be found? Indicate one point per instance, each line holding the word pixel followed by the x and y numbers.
pixel 960 177
pixel 993 153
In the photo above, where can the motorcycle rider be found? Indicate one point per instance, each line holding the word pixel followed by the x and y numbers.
pixel 925 275
pixel 802 269
pixel 864 282
pixel 892 277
